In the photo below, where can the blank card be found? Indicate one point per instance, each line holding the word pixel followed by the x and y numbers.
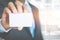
pixel 20 20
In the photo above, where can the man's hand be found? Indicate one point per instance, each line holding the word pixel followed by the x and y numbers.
pixel 17 8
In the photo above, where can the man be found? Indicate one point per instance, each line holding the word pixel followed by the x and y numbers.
pixel 12 6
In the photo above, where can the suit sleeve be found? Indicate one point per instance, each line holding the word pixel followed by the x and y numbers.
pixel 3 4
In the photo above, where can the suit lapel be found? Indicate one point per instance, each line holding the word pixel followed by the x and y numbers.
pixel 37 35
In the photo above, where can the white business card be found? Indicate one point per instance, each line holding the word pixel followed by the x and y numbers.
pixel 20 20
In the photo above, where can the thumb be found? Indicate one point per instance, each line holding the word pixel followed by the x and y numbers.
pixel 20 28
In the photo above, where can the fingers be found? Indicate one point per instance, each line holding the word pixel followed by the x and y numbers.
pixel 19 6
pixel 25 9
pixel 12 7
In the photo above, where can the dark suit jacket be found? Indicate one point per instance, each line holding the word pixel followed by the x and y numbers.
pixel 25 33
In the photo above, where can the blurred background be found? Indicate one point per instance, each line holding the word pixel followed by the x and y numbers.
pixel 49 14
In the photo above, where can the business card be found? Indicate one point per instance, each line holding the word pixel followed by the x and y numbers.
pixel 20 19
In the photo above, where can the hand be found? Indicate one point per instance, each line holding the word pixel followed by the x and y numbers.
pixel 17 8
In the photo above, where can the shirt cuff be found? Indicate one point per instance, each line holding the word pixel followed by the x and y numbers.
pixel 2 29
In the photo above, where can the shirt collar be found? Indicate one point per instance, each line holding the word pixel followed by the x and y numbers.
pixel 28 6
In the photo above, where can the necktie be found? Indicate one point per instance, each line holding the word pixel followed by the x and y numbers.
pixel 32 30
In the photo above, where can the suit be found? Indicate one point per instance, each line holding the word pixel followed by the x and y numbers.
pixel 25 33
